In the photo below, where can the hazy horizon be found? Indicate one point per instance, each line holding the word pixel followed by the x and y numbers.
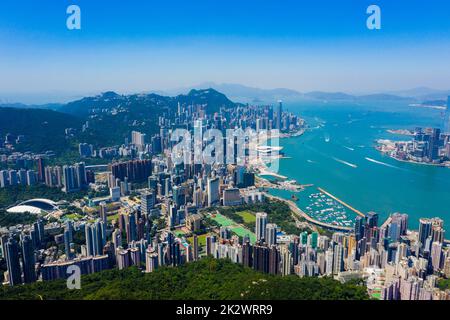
pixel 152 46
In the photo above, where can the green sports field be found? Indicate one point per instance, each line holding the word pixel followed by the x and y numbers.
pixel 237 229
pixel 242 232
pixel 222 220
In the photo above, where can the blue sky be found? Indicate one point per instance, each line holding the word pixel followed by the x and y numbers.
pixel 133 46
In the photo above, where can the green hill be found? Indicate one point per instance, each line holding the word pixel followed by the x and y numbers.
pixel 213 99
pixel 207 279
pixel 142 104
pixel 111 118
pixel 43 129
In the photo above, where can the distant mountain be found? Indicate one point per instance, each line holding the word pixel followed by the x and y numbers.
pixel 320 95
pixel 423 94
pixel 48 106
pixel 250 94
pixel 257 95
pixel 436 103
pixel 244 93
pixel 383 97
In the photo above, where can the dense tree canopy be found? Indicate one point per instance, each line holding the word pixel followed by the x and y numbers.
pixel 204 279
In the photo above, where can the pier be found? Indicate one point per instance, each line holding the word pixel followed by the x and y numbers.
pixel 342 202
pixel 270 173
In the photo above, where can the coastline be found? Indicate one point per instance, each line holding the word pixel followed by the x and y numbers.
pixel 260 163
pixel 379 148
pixel 295 207
pixel 292 186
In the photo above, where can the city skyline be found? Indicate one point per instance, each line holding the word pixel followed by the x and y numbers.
pixel 204 150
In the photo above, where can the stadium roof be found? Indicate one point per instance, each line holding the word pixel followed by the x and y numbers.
pixel 24 209
pixel 35 206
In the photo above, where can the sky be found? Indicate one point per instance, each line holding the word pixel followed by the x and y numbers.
pixel 145 45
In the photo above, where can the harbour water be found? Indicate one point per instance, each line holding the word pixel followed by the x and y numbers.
pixel 338 155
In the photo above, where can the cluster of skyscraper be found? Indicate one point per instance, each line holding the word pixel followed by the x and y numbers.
pixel 429 145
pixel 20 255
pixel 19 177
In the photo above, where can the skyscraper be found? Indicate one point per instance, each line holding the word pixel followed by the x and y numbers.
pixel 210 245
pixel 178 195
pixel 359 227
pixel 28 261
pixel 261 223
pixel 138 139
pixel 80 175
pixel 436 255
pixel 3 178
pixel 103 212
pixel 99 237
pixel 195 248
pixel 117 239
pixel 148 200
pixel 95 238
pixel 213 191
pixel 338 259
pixel 271 234
pixel 89 240
pixel 279 114
pixel 274 260
pixel 372 219
pixel 247 254
pixel 131 228
pixel 424 230
pixel 433 145
pixel 123 258
pixel 151 260
pixel 67 250
pixel 446 126
pixel 13 178
pixel 69 179
pixel 12 262
pixel 41 169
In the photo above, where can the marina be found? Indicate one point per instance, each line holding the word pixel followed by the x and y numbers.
pixel 319 206
pixel 324 208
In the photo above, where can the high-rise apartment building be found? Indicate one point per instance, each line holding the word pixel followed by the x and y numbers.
pixel 261 223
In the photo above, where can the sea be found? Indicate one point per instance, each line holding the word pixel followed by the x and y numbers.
pixel 338 154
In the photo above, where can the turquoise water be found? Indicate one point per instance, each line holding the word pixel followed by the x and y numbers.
pixel 340 166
